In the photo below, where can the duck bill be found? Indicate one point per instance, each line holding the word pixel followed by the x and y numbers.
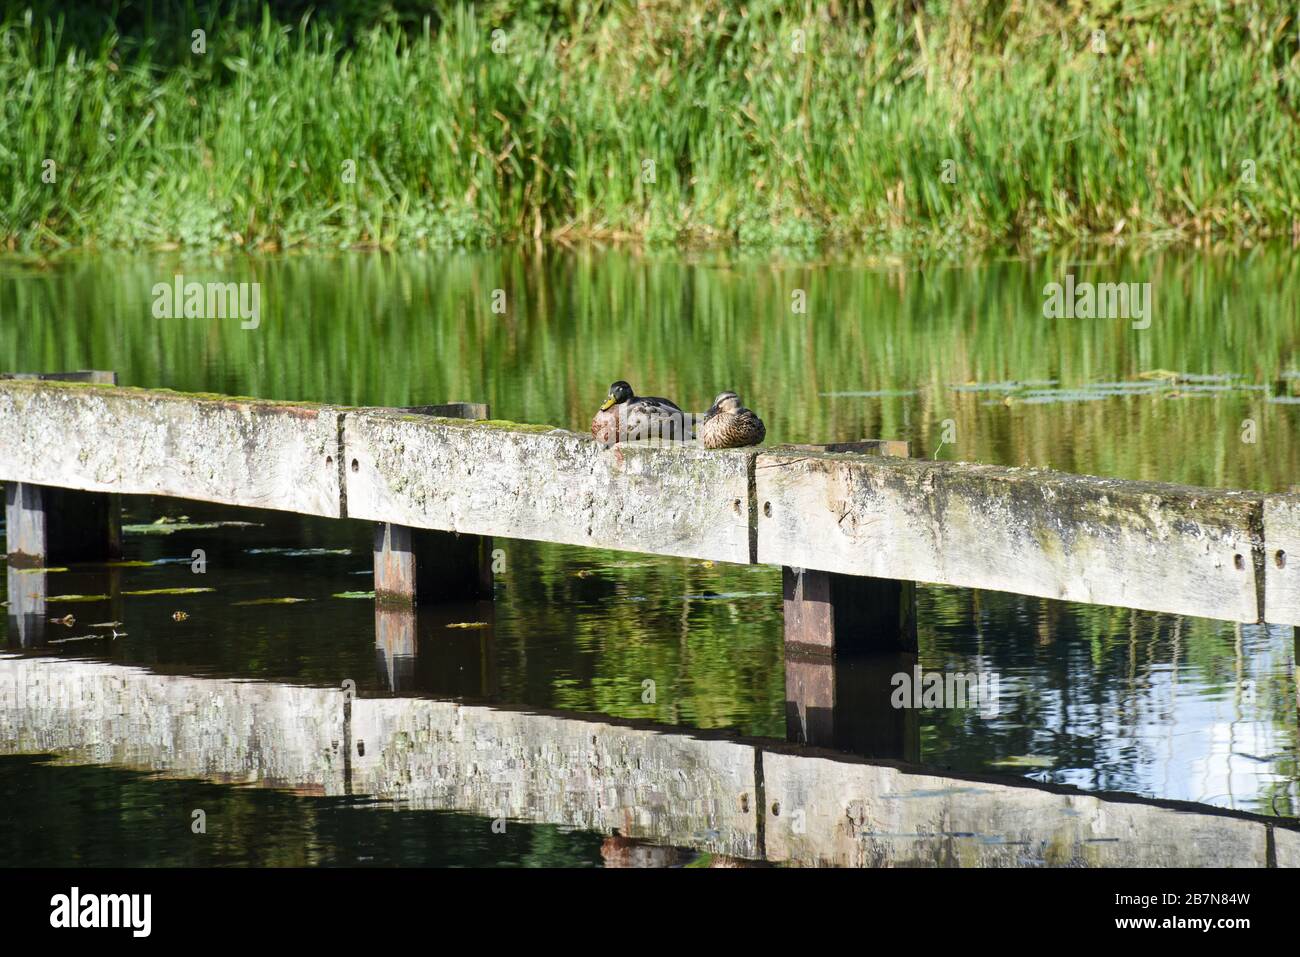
pixel 609 401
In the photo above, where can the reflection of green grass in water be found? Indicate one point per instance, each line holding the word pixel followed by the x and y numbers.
pixel 845 131
pixel 380 330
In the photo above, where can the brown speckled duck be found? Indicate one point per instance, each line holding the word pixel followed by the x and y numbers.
pixel 625 416
pixel 729 425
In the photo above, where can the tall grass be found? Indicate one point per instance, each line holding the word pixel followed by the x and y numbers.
pixel 775 122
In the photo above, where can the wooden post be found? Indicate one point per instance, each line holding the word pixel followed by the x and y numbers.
pixel 846 636
pixel 45 525
pixel 830 614
pixel 52 526
pixel 415 566
pixel 420 566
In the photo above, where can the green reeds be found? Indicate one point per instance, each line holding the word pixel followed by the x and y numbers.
pixel 937 125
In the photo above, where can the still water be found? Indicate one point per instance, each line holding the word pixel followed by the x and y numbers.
pixel 960 361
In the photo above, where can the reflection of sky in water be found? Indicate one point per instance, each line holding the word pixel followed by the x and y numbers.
pixel 1165 730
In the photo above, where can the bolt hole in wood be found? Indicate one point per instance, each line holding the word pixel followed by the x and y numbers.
pixel 1280 558
pixel 735 506
pixel 767 509
pixel 356 467
pixel 329 461
pixel 776 808
pixel 1239 562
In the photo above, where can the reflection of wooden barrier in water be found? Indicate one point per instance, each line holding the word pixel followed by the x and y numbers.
pixel 416 651
pixel 745 798
pixel 28 590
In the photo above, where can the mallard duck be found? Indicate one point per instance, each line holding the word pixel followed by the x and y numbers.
pixel 729 425
pixel 625 416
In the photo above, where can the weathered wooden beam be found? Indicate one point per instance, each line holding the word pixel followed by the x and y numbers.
pixel 535 482
pixel 249 452
pixel 1282 559
pixel 1033 531
pixel 45 525
pixel 1037 532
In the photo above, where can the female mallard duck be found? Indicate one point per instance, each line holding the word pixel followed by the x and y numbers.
pixel 729 425
pixel 625 416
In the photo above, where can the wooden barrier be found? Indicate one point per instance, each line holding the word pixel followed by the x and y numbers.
pixel 1168 548
pixel 544 484
pixel 47 524
pixel 96 438
pixel 1036 532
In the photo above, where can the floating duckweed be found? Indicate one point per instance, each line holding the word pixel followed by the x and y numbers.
pixel 270 601
pixel 173 527
pixel 168 591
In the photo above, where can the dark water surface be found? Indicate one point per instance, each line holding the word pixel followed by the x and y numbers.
pixel 1102 699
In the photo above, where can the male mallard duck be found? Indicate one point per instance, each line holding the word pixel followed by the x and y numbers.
pixel 624 415
pixel 729 425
